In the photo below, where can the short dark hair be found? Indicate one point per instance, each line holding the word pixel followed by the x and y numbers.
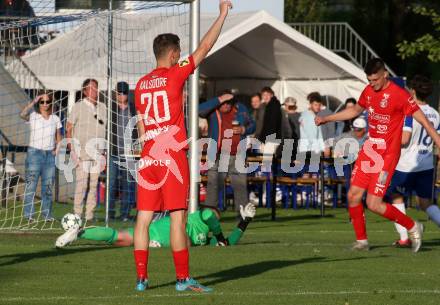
pixel 374 65
pixel 422 85
pixel 164 42
pixel 256 95
pixel 87 82
pixel 350 100
pixel 267 89
pixel 314 97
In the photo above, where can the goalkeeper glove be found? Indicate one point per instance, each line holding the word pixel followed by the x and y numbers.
pixel 247 212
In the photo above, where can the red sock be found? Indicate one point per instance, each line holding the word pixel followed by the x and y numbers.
pixel 395 215
pixel 141 261
pixel 181 263
pixel 358 220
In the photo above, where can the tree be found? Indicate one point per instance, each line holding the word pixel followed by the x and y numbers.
pixel 304 10
pixel 428 43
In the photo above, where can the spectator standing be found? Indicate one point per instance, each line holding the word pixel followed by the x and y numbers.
pixel 40 160
pixel 271 117
pixel 257 112
pixel 328 130
pixel 228 119
pixel 122 111
pixel 345 126
pixel 311 135
pixel 86 125
pixel 290 122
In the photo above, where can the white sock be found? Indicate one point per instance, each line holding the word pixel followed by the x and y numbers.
pixel 401 230
pixel 434 213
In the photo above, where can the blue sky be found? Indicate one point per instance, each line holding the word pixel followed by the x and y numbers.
pixel 274 7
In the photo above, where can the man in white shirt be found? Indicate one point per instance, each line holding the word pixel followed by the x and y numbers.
pixel 86 130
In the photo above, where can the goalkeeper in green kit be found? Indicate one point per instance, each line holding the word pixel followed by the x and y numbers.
pixel 199 226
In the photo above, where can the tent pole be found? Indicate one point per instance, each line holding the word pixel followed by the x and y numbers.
pixel 194 111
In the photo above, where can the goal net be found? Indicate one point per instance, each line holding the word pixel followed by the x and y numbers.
pixel 48 48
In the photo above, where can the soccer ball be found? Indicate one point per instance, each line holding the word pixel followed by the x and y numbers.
pixel 70 221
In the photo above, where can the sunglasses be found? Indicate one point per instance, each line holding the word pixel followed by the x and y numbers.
pixel 358 129
pixel 45 102
pixel 99 120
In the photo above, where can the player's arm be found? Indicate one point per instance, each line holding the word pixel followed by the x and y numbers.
pixel 213 33
pixel 247 214
pixel 421 118
pixel 214 226
pixel 407 130
pixel 346 114
pixel 406 137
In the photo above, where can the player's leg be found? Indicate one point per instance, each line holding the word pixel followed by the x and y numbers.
pixel 108 235
pixel 376 205
pixel 376 191
pixel 141 242
pixel 179 247
pixel 431 209
pixel 359 182
pixel 395 194
pixel 403 241
pixel 148 201
pixel 357 216
pixel 175 194
pixel 424 189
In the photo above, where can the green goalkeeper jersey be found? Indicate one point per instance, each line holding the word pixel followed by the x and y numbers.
pixel 199 224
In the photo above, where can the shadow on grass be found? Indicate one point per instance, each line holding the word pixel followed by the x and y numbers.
pixel 265 217
pixel 251 270
pixel 19 258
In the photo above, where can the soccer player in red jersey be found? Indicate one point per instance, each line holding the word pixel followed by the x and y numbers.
pixel 387 105
pixel 163 174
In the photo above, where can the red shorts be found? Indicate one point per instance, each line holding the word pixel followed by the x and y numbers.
pixel 369 175
pixel 163 185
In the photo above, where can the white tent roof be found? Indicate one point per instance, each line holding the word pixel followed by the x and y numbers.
pixel 259 46
pixel 252 46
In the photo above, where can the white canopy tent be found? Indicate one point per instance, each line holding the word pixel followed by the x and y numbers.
pixel 254 50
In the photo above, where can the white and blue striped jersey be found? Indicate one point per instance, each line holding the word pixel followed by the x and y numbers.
pixel 417 156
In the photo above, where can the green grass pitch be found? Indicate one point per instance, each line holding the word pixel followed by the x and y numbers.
pixel 299 259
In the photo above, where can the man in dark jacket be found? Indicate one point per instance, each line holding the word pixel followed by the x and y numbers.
pixel 229 123
pixel 272 115
pixel 122 112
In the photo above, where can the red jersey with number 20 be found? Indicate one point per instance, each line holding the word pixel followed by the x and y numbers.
pixel 387 109
pixel 158 97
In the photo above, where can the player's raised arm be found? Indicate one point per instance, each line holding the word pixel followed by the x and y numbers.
pixel 421 118
pixel 211 36
pixel 346 114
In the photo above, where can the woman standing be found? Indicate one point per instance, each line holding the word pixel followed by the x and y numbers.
pixel 40 161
